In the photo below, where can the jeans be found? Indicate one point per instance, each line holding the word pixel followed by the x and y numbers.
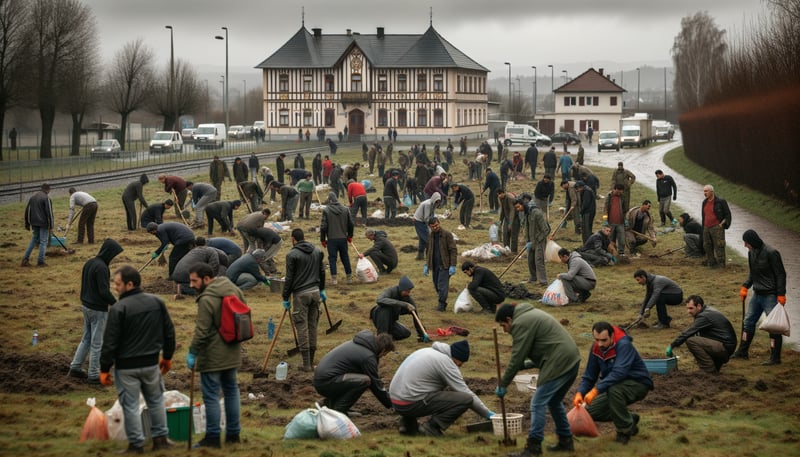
pixel 586 225
pixel 41 236
pixel 441 282
pixel 423 232
pixel 94 326
pixel 246 281
pixel 663 209
pixel 200 206
pixel 759 303
pixel 148 382
pixel 210 384
pixel 390 207
pixel 551 395
pixel 338 248
pixel 291 204
pixel 618 236
pixel 305 205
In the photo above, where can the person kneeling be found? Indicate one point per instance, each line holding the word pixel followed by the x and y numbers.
pixel 711 338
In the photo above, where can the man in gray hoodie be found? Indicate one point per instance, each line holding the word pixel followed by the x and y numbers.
pixel 424 212
pixel 429 383
pixel 335 233
pixel 579 278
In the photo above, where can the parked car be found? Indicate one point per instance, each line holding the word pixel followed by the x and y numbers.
pixel 188 135
pixel 106 149
pixel 166 142
pixel 565 137
pixel 608 139
pixel 237 132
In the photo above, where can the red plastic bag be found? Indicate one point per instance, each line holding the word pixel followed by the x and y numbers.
pixel 581 423
pixel 96 426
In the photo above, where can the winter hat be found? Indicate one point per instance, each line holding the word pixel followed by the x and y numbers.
pixel 144 179
pixel 332 197
pixel 405 283
pixel 236 203
pixel 460 351
pixel 751 237
pixel 152 226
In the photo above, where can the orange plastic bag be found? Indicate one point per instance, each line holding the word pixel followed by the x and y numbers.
pixel 96 426
pixel 581 423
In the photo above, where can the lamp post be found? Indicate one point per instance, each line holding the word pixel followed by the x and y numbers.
pixel 552 90
pixel 223 94
pixel 206 118
pixel 638 87
pixel 244 102
pixel 519 89
pixel 665 93
pixel 509 86
pixel 171 85
pixel 534 91
pixel 225 89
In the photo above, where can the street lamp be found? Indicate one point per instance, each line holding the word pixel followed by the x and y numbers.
pixel 223 94
pixel 534 91
pixel 519 89
pixel 171 86
pixel 552 90
pixel 206 118
pixel 665 93
pixel 225 89
pixel 244 102
pixel 638 86
pixel 509 86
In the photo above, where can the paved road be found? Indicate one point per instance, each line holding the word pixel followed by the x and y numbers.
pixel 644 163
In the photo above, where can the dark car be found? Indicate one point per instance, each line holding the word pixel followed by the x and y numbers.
pixel 565 137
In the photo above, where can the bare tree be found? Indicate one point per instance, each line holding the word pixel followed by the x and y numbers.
pixel 13 54
pixel 188 97
pixel 698 53
pixel 80 86
pixel 129 82
pixel 59 30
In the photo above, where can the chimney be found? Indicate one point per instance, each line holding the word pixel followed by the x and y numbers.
pixel 349 32
pixel 380 32
pixel 600 70
pixel 317 32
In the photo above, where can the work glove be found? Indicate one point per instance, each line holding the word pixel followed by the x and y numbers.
pixel 105 379
pixel 528 364
pixel 589 398
pixel 154 255
pixel 500 391
pixel 426 338
pixel 743 292
pixel 490 415
pixel 668 352
pixel 323 295
pixel 528 245
pixel 550 203
pixel 350 239
pixel 577 400
pixel 451 270
pixel 782 300
pixel 614 259
pixel 627 225
pixel 266 282
pixel 191 358
pixel 425 270
pixel 165 365
pixel 324 244
pixel 646 313
pixel 286 305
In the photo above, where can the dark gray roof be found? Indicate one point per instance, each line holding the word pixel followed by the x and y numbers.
pixel 430 49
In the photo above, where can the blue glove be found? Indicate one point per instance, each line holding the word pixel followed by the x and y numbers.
pixel 426 338
pixel 613 259
pixel 323 295
pixel 490 415
pixel 500 391
pixel 550 204
pixel 155 254
pixel 669 351
pixel 528 245
pixel 425 270
pixel 452 270
pixel 190 359
pixel 286 305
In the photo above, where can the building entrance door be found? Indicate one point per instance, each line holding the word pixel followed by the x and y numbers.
pixel 355 122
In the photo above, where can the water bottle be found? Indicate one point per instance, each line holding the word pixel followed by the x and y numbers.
pixel 198 418
pixel 270 329
pixel 35 339
pixel 281 371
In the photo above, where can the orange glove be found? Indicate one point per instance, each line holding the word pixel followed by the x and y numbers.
pixel 590 396
pixel 782 299
pixel 105 379
pixel 165 366
pixel 577 400
pixel 743 292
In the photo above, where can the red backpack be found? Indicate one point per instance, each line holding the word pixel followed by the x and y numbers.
pixel 235 323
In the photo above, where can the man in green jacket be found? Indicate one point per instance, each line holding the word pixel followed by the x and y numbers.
pixel 216 360
pixel 540 337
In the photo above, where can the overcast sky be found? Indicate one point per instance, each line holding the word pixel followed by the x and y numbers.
pixel 621 33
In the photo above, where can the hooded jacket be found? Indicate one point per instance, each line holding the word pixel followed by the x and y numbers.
pixel 618 363
pixel 213 353
pixel 430 370
pixel 304 269
pixel 767 274
pixel 690 225
pixel 244 264
pixel 337 222
pixel 134 191
pixel 39 212
pixel 536 227
pixel 426 209
pixel 657 285
pixel 357 356
pixel 95 279
pixel 382 245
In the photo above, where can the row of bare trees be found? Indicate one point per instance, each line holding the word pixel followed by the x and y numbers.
pixel 710 69
pixel 49 61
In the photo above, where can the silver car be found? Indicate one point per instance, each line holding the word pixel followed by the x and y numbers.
pixel 106 149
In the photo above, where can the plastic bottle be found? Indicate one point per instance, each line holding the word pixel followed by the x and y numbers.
pixel 281 371
pixel 270 329
pixel 35 339
pixel 493 233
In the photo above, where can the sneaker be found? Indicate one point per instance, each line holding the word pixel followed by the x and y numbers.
pixel 80 374
pixel 132 450
pixel 25 263
pixel 440 308
pixel 161 442
pixel 333 280
pixel 429 429
pixel 94 381
pixel 661 326
pixel 350 279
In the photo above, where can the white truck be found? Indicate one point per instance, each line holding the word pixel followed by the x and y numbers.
pixel 523 133
pixel 636 130
pixel 166 142
pixel 210 136
pixel 663 130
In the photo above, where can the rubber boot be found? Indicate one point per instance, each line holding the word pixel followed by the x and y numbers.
pixel 311 353
pixel 775 343
pixel 419 255
pixel 161 442
pixel 744 348
pixel 307 367
pixel 565 444
pixel 532 448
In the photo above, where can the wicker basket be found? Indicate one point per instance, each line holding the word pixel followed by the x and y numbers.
pixel 513 424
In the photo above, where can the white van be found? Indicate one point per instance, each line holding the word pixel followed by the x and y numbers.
pixel 523 133
pixel 210 136
pixel 166 142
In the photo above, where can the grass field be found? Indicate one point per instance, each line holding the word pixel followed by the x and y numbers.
pixel 748 410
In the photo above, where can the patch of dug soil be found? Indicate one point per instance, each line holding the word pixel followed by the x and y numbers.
pixel 38 374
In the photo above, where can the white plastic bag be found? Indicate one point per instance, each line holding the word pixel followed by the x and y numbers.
pixel 303 425
pixel 555 295
pixel 116 420
pixel 777 321
pixel 551 252
pixel 493 233
pixel 463 302
pixel 333 424
pixel 366 271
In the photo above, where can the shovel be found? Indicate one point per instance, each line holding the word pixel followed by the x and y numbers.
pixel 245 198
pixel 522 251
pixel 69 224
pixel 333 327
pixel 180 209
pixel 296 349
pixel 419 322
pixel 561 222
pixel 148 263
pixel 634 323
pixel 507 441
pixel 656 256
pixel 264 373
pixel 68 251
